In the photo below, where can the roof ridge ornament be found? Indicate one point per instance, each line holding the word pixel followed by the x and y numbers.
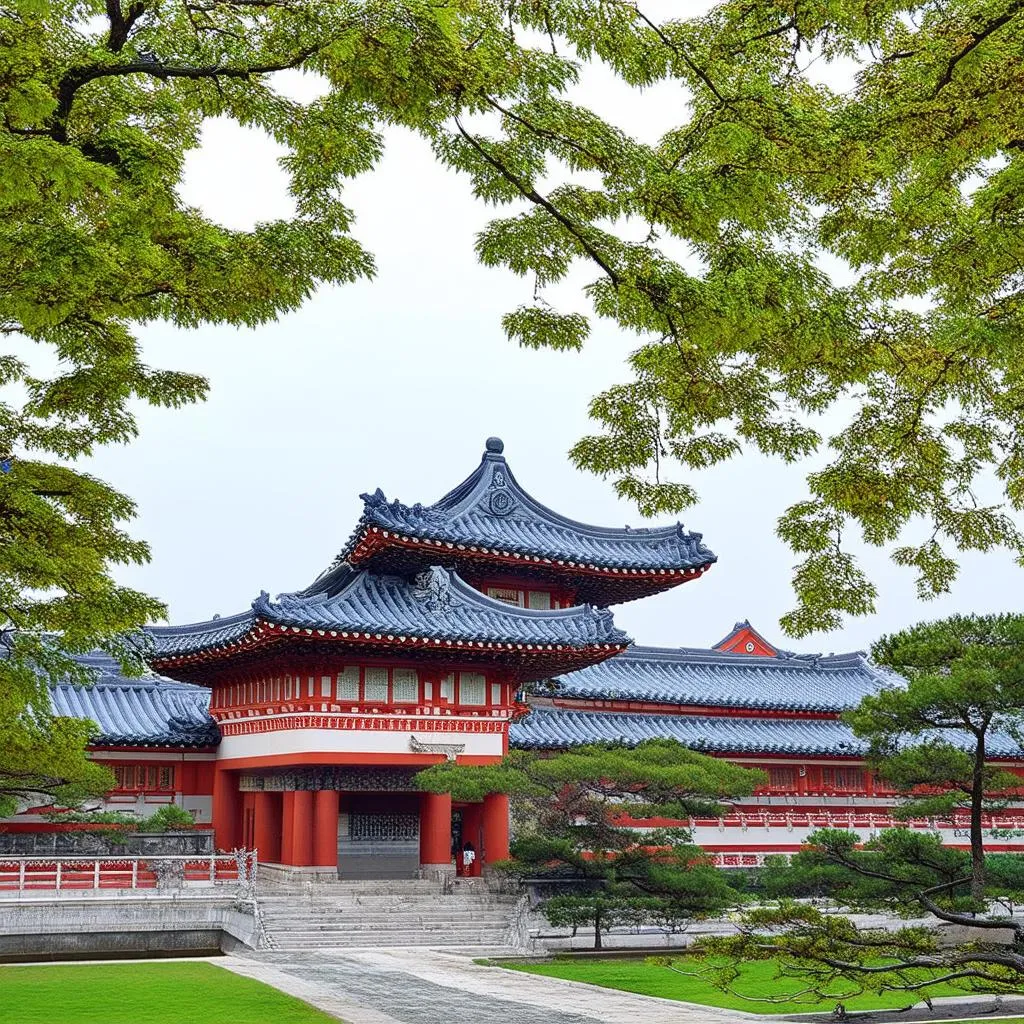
pixel 433 587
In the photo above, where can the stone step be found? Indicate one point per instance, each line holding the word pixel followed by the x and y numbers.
pixel 384 913
pixel 352 913
pixel 293 924
pixel 395 920
pixel 410 913
pixel 469 949
pixel 447 929
pixel 396 939
pixel 380 926
pixel 412 940
pixel 383 887
pixel 487 913
pixel 391 899
pixel 385 905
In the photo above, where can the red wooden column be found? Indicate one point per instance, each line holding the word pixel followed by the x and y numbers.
pixel 227 810
pixel 302 828
pixel 268 827
pixel 248 819
pixel 436 830
pixel 287 827
pixel 325 830
pixel 495 827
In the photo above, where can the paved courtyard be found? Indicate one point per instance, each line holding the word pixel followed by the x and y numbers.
pixel 419 986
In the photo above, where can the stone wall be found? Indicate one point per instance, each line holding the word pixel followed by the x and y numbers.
pixel 67 928
pixel 97 843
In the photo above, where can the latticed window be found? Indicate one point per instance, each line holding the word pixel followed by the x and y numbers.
pixel 782 778
pixel 387 828
pixel 849 780
pixel 153 777
pixel 448 688
pixel 325 686
pixel 540 600
pixel 472 688
pixel 508 595
pixel 348 683
pixel 375 685
pixel 405 685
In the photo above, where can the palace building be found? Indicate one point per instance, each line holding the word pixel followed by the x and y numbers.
pixel 452 631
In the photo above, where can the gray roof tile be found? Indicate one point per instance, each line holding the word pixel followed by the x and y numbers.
pixel 491 509
pixel 436 605
pixel 146 712
pixel 555 728
pixel 709 677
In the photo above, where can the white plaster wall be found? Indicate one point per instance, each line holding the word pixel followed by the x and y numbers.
pixel 350 741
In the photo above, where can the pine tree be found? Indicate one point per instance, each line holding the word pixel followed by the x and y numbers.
pixel 587 827
pixel 937 740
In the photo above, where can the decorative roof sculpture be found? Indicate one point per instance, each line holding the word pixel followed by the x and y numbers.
pixel 435 613
pixel 489 524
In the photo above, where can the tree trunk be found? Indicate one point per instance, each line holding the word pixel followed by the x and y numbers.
pixel 977 803
pixel 597 928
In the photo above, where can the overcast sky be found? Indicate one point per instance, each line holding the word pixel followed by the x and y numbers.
pixel 396 383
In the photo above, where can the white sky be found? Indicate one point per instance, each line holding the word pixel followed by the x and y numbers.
pixel 396 383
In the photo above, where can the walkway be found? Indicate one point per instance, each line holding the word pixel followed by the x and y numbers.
pixel 419 986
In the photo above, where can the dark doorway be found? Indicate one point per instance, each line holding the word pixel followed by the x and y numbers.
pixel 379 835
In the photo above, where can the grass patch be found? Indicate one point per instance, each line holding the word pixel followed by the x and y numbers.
pixel 757 979
pixel 158 993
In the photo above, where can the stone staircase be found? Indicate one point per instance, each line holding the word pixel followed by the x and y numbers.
pixel 330 915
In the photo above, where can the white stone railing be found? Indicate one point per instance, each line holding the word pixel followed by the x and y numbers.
pixel 841 818
pixel 42 875
pixel 738 860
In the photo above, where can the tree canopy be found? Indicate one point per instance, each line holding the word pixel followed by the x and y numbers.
pixel 931 739
pixel 100 102
pixel 816 269
pixel 711 244
pixel 601 828
pixel 707 244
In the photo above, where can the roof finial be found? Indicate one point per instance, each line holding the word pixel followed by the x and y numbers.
pixel 495 445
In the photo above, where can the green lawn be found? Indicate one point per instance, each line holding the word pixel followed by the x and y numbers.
pixel 154 993
pixel 757 979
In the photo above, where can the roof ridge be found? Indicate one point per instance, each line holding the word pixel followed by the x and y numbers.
pixel 468 494
pixel 202 626
pixel 639 652
pixel 433 584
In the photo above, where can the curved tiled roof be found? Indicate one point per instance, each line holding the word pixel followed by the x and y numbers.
pixel 490 508
pixel 708 677
pixel 147 712
pixel 553 728
pixel 560 727
pixel 436 605
pixel 199 636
